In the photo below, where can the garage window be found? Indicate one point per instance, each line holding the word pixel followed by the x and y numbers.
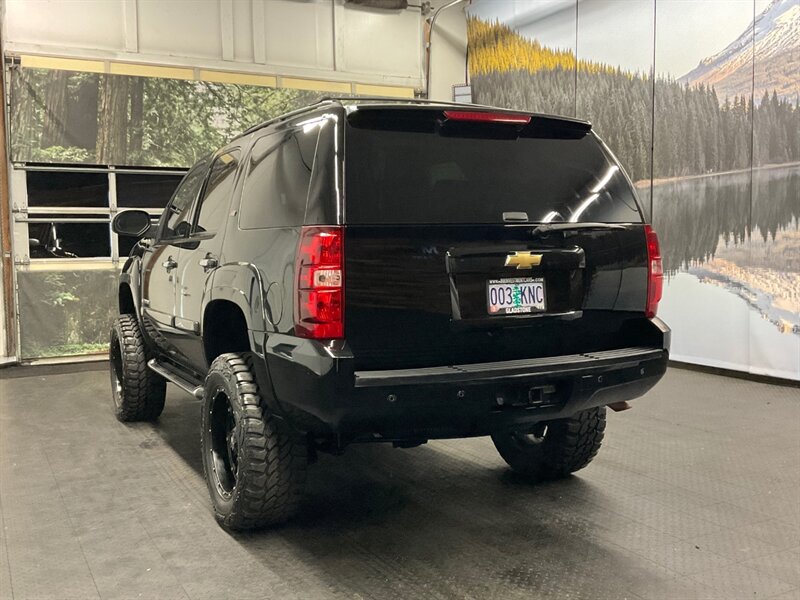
pixel 148 191
pixel 67 190
pixel 141 190
pixel 68 213
pixel 54 236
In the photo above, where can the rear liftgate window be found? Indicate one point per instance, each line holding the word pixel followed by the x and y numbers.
pixel 414 166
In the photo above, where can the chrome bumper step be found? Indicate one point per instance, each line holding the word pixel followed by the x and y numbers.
pixel 173 377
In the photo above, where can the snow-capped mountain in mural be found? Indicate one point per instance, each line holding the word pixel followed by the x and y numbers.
pixel 777 52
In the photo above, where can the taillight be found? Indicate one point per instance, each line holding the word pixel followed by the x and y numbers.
pixel 655 272
pixel 487 117
pixel 319 283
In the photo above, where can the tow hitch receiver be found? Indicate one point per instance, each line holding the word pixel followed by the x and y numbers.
pixel 543 396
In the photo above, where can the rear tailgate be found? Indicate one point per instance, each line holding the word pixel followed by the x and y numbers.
pixel 475 242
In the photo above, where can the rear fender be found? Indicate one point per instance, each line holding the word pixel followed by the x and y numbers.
pixel 243 285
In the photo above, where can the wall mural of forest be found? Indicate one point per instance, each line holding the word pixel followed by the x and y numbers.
pixel 722 182
pixel 64 312
pixel 71 117
pixel 697 131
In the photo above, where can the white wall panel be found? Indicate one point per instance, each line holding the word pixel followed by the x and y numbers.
pixel 313 39
pixel 243 30
pixel 382 42
pixel 180 28
pixel 299 33
pixel 68 23
pixel 448 52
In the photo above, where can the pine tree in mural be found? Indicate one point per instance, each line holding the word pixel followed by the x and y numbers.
pixel 694 134
pixel 111 145
pixel 136 125
pixel 83 92
pixel 54 128
pixel 71 117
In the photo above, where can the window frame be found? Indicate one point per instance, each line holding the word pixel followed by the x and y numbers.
pixel 67 208
pixel 594 151
pixel 122 175
pixel 25 215
pixel 268 133
pixel 197 204
pixel 292 130
pixel 160 239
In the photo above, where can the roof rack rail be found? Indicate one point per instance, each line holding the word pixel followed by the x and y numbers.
pixel 284 116
pixel 382 99
pixel 339 99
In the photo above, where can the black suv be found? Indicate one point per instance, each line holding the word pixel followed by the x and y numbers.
pixel 368 270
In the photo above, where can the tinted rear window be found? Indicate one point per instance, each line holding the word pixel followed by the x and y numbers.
pixel 403 166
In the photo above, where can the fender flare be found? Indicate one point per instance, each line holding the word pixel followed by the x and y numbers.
pixel 131 276
pixel 243 285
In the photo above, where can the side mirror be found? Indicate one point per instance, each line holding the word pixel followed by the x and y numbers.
pixel 131 223
pixel 182 229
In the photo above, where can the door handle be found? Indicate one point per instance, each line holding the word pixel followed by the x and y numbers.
pixel 169 264
pixel 209 262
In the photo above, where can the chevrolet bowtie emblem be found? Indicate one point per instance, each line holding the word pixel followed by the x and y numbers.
pixel 523 260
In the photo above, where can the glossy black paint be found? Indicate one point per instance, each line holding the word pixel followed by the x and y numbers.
pixel 424 288
pixel 415 297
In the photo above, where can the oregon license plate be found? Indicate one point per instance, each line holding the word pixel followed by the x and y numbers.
pixel 516 295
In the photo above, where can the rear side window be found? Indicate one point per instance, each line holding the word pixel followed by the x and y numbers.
pixel 217 193
pixel 278 176
pixel 409 168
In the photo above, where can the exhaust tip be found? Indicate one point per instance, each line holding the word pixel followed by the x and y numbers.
pixel 619 406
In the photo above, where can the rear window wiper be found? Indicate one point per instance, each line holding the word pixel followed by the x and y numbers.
pixel 548 227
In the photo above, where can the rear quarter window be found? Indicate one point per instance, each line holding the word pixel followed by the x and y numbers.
pixel 278 173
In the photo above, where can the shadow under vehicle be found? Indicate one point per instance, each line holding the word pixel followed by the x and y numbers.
pixel 371 270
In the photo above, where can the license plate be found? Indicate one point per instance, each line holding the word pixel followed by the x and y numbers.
pixel 516 295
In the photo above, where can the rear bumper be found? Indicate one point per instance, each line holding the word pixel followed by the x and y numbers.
pixel 317 389
pixel 554 366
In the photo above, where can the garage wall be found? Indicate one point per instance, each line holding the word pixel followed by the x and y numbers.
pixel 325 39
pixel 700 102
pixel 315 38
pixel 449 49
pixel 74 103
pixel 3 334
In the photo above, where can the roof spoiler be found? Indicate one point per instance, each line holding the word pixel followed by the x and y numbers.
pixel 558 127
pixel 533 122
pixel 475 116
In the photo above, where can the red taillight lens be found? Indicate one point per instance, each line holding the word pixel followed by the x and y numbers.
pixel 486 117
pixel 655 272
pixel 319 283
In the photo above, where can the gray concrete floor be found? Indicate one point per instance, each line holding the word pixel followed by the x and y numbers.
pixel 696 494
